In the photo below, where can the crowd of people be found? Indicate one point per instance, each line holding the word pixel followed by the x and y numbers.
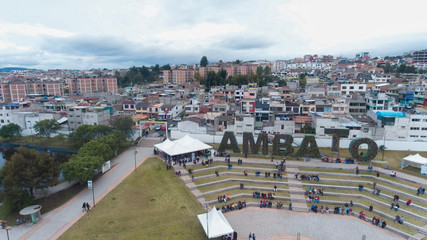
pixel 338 160
pixel 395 206
pixel 264 204
pixel 233 206
pixel 313 190
pixel 263 195
pixel 252 236
pixel 223 198
pixel 308 177
pixel 313 199
pixel 378 222
pixel 230 236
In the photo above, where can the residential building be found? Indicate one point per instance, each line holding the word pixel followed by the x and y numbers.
pixel 350 88
pixel 243 124
pixel 92 85
pixel 419 56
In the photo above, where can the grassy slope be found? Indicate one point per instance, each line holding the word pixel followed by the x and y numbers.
pixel 149 204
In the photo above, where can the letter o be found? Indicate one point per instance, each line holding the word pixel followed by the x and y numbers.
pixel 372 152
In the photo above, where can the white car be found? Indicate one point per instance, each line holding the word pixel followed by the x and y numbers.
pixel 177 119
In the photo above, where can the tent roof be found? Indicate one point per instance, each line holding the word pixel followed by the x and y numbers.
pixel 417 158
pixel 218 224
pixel 184 145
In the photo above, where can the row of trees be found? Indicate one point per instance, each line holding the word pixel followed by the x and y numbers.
pixel 44 128
pixel 262 77
pixel 403 68
pixel 140 75
pixel 27 170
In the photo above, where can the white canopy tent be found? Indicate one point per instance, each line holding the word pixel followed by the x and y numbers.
pixel 414 160
pixel 184 145
pixel 215 224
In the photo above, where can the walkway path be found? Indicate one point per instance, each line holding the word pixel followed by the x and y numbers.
pixel 56 222
pixel 295 188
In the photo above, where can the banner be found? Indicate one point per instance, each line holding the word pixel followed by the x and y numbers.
pixel 106 166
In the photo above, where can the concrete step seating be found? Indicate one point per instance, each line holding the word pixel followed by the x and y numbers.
pixel 296 190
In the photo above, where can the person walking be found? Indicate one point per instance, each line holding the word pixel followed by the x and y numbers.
pixel 250 236
pixel 87 207
pixel 84 207
pixel 253 236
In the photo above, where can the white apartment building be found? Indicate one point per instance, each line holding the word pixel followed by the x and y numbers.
pixel 242 124
pixel 80 115
pixel 193 106
pixel 97 116
pixel 378 101
pixel 284 126
pixel 350 88
pixel 339 106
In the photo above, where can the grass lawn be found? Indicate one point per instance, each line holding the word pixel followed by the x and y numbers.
pixel 149 204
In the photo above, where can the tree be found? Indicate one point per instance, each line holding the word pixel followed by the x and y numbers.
pixel 28 170
pixel 45 128
pixel 281 83
pixel 124 124
pixel 204 61
pixel 198 78
pixel 388 68
pixel 96 148
pixel 81 168
pixel 88 160
pixel 115 141
pixel 86 133
pixel 382 148
pixel 166 67
pixel 10 131
pixel 302 80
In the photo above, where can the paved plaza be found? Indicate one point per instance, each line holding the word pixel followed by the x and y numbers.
pixel 272 224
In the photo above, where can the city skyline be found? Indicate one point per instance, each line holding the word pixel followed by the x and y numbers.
pixel 98 34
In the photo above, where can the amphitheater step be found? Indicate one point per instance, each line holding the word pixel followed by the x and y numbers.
pixel 417 236
pixel 424 230
pixel 299 209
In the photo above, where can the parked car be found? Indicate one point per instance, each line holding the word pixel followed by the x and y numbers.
pixel 163 127
pixel 157 128
pixel 177 119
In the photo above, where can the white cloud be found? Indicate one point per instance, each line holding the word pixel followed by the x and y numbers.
pixel 28 29
pixel 137 32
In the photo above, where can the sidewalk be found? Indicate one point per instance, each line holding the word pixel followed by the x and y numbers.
pixel 59 220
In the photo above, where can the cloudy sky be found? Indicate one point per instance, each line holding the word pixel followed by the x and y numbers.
pixel 83 34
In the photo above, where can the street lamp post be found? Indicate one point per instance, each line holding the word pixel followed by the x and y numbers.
pixel 207 219
pixel 134 154
pixel 7 231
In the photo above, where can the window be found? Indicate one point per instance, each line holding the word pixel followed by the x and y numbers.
pixel 424 120
pixel 322 126
pixel 403 127
pixel 351 87
pixel 283 126
pixel 424 129
pixel 344 87
pixel 414 128
pixel 416 120
pixel 413 136
pixel 365 130
pixel 423 136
